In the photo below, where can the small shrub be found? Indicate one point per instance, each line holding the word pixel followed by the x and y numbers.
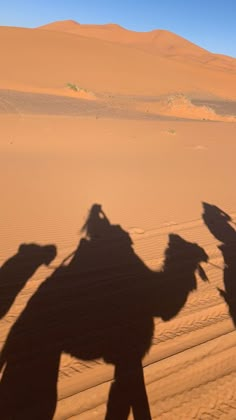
pixel 75 87
pixel 172 131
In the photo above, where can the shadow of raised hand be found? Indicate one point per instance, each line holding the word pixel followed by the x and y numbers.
pixel 221 227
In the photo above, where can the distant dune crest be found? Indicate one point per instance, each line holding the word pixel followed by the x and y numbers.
pixel 157 41
pixel 113 32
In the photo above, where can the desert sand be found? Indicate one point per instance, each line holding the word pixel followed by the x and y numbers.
pixel 143 125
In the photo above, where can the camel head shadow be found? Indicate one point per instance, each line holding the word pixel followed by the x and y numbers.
pixel 182 261
pixel 18 269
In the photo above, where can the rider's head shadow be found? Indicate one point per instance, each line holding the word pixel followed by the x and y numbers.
pixel 97 224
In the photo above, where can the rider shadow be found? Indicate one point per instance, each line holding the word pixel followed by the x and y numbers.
pixel 220 225
pixel 101 304
pixel 18 269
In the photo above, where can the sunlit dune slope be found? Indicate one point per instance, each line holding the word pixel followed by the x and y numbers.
pixel 161 42
pixel 35 59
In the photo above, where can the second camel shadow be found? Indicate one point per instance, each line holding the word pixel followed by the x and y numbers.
pixel 100 304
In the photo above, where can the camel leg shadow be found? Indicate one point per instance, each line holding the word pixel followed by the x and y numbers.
pixel 128 393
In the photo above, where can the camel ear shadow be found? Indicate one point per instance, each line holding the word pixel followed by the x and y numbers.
pixel 22 248
pixel 175 239
pixel 50 254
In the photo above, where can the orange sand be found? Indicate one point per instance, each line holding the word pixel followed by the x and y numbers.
pixel 150 174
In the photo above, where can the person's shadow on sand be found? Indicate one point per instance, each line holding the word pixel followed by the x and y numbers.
pixel 101 304
pixel 17 270
pixel 219 224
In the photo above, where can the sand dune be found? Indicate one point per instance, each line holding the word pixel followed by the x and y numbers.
pixel 148 132
pixel 158 42
pixel 48 60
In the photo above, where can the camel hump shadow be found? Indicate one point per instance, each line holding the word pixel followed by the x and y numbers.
pixel 99 304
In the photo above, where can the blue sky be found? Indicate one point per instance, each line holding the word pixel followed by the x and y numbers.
pixel 208 23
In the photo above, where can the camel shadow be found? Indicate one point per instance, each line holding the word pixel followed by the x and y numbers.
pixel 219 224
pixel 100 303
pixel 18 269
